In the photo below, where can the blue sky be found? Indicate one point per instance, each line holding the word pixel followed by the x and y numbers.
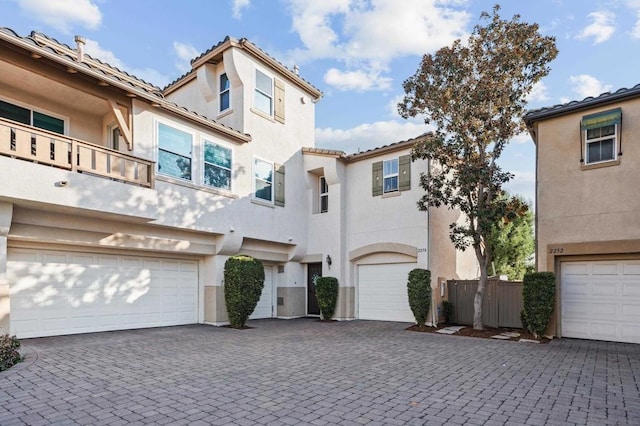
pixel 358 52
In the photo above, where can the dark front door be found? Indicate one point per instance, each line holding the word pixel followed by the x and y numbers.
pixel 313 269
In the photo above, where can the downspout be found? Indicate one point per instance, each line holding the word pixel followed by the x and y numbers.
pixel 433 304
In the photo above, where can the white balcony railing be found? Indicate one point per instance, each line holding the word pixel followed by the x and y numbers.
pixel 43 147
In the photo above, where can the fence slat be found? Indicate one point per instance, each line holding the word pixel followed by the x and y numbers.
pixel 501 305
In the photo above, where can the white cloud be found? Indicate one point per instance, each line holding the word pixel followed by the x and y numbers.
pixel 635 31
pixel 523 184
pixel 601 28
pixel 237 6
pixel 356 80
pixel 63 15
pixel 539 93
pixel 369 135
pixel 585 85
pixel 362 36
pixel 522 138
pixel 149 75
pixel 392 106
pixel 185 53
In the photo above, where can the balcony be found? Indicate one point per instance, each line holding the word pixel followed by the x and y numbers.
pixel 48 148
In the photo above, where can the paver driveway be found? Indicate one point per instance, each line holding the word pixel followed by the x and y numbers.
pixel 306 372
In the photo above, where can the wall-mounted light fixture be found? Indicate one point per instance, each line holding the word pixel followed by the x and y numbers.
pixel 62 183
pixel 329 261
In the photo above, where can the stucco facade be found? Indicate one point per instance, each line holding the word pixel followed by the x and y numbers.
pixel 588 212
pixel 133 197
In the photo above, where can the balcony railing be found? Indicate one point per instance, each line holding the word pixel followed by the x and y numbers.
pixel 43 147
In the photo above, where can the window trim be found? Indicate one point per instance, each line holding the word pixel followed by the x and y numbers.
pixel 322 195
pixel 32 109
pixel 256 90
pixel 255 178
pixel 391 175
pixel 205 141
pixel 600 139
pixel 157 150
pixel 221 92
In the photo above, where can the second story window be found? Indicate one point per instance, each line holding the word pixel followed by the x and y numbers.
pixel 31 118
pixel 217 166
pixel 324 195
pixel 600 132
pixel 225 93
pixel 390 175
pixel 263 179
pixel 263 100
pixel 174 152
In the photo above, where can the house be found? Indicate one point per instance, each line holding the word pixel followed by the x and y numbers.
pixel 588 213
pixel 122 201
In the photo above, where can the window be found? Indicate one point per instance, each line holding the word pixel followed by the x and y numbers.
pixel 115 136
pixel 263 100
pixel 217 166
pixel 174 152
pixel 601 135
pixel 324 195
pixel 390 175
pixel 263 178
pixel 225 88
pixel 31 118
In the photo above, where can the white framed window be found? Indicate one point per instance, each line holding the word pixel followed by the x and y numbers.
pixel 31 117
pixel 601 144
pixel 263 98
pixel 114 136
pixel 262 180
pixel 217 166
pixel 390 175
pixel 324 195
pixel 174 152
pixel 225 92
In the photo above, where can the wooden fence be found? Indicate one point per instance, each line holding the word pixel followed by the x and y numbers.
pixel 501 305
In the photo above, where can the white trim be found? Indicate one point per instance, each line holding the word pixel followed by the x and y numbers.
pixel 587 141
pixel 390 176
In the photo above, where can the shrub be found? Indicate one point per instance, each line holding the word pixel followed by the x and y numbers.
pixel 447 311
pixel 243 283
pixel 538 299
pixel 419 292
pixel 327 294
pixel 9 355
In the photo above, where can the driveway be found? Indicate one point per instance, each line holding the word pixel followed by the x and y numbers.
pixel 305 372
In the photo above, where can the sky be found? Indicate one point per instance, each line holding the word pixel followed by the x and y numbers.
pixel 357 52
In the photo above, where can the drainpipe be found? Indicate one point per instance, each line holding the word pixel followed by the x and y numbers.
pixel 433 304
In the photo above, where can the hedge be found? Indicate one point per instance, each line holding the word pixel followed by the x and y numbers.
pixel 243 283
pixel 538 299
pixel 327 295
pixel 419 292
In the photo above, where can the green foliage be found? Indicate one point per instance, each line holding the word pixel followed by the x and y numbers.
pixel 327 295
pixel 9 355
pixel 538 299
pixel 511 240
pixel 447 311
pixel 419 292
pixel 243 283
pixel 474 93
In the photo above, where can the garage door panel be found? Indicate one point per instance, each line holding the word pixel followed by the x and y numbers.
pixel 605 289
pixel 631 268
pixel 630 312
pixel 577 288
pixel 605 269
pixel 603 330
pixel 631 289
pixel 382 292
pixel 575 269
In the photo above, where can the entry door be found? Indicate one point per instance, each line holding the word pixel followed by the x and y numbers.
pixel 313 269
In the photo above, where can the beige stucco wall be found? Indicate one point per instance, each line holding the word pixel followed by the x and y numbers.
pixel 294 302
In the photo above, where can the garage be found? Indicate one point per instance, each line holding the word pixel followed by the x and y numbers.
pixel 382 292
pixel 600 300
pixel 264 308
pixel 55 292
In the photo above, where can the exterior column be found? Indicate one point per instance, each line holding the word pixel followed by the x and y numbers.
pixel 6 214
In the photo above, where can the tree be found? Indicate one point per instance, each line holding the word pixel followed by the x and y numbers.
pixel 511 241
pixel 475 95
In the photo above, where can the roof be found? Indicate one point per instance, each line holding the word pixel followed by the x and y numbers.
pixel 214 55
pixel 41 46
pixel 587 103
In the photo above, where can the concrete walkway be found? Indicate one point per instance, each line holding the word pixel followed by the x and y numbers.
pixel 305 372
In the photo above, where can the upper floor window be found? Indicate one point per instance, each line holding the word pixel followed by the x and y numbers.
pixel 324 195
pixel 31 117
pixel 225 93
pixel 217 166
pixel 601 136
pixel 390 175
pixel 174 152
pixel 263 179
pixel 263 100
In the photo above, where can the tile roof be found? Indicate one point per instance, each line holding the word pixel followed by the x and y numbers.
pixel 602 99
pixel 390 147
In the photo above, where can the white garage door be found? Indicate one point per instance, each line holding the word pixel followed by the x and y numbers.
pixel 601 300
pixel 59 292
pixel 382 292
pixel 264 308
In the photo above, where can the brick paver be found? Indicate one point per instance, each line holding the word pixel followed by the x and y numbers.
pixel 304 372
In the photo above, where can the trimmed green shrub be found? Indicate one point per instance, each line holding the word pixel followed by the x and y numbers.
pixel 447 311
pixel 327 295
pixel 9 355
pixel 419 292
pixel 538 299
pixel 243 283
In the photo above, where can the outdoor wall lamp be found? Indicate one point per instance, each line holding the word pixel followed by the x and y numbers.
pixel 329 261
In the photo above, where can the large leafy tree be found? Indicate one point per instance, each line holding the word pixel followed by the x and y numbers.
pixel 511 241
pixel 475 93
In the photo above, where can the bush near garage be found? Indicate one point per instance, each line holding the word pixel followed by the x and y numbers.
pixel 327 295
pixel 9 355
pixel 538 299
pixel 447 311
pixel 243 283
pixel 419 292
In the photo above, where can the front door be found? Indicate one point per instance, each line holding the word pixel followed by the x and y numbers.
pixel 313 270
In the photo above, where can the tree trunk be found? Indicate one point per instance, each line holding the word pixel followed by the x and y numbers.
pixel 477 300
